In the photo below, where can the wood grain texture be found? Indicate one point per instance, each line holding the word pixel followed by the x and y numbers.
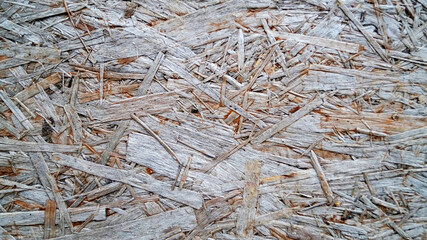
pixel 108 105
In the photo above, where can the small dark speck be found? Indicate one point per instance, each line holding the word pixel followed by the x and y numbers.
pixel 194 110
pixel 47 130
pixel 112 126
pixel 70 82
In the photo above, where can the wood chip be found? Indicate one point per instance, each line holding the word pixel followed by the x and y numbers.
pixel 246 218
pixel 49 219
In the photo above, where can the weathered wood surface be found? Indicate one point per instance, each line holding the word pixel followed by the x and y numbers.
pixel 148 228
pixel 37 217
pixel 106 106
pixel 246 216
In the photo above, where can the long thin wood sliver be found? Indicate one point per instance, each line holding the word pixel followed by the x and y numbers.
pixel 286 122
pixel 185 173
pixel 141 180
pixel 295 81
pixel 86 222
pixel 368 183
pixel 165 146
pixel 143 88
pixel 105 156
pixel 142 228
pixel 399 230
pixel 359 26
pixel 322 177
pixel 272 40
pixel 101 83
pixel 15 110
pixel 255 76
pixel 11 183
pixel 72 23
pixel 110 75
pixel 31 218
pixel 50 183
pixel 24 106
pixel 211 92
pixel 224 156
pixel 176 177
pixel 154 135
pixel 240 50
pixel 222 91
pixel 10 128
pixel 5 234
pixel 319 41
pixel 75 122
pixel 33 89
pixel 24 146
pixel 381 23
pixel 114 141
pixel 229 152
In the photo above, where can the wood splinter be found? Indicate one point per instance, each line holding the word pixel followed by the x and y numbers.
pixel 167 148
pixel 185 173
pixel 322 177
pixel 49 219
pixel 246 217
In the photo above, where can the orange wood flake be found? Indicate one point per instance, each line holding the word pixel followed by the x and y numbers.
pixel 28 206
pixel 126 61
pixel 149 171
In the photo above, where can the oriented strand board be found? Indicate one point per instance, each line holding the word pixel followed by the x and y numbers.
pixel 233 119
